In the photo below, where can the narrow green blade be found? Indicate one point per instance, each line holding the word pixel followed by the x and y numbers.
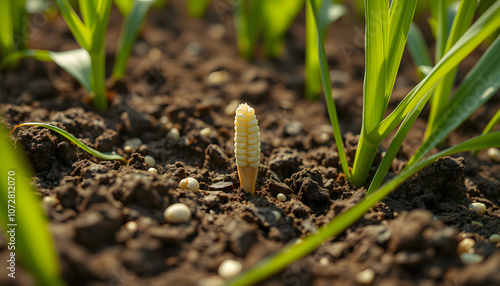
pixel 327 87
pixel 130 30
pixel 293 252
pixel 77 27
pixel 28 223
pixel 486 25
pixel 91 151
pixel 471 94
pixel 125 6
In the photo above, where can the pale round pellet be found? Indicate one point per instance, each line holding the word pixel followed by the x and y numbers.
pixel 193 185
pixel 153 171
pixel 229 268
pixel 131 226
pixel 132 142
pixel 128 149
pixel 49 202
pixel 205 132
pixel 183 184
pixel 480 208
pixel 494 154
pixel 177 213
pixel 465 246
pixel 494 238
pixel 150 161
pixel 365 277
pixel 470 258
pixel 277 215
pixel 324 262
pixel 174 133
pixel 281 197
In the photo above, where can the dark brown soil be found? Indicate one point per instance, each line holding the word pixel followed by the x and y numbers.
pixel 408 239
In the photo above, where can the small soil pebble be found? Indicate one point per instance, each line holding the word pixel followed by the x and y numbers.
pixel 229 268
pixel 365 277
pixel 470 258
pixel 177 213
pixel 494 238
pixel 494 154
pixel 465 245
pixel 150 161
pixel 480 208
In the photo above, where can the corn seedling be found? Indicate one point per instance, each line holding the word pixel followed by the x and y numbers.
pixel 197 8
pixel 25 217
pixel 386 31
pixel 101 155
pixel 331 11
pixel 88 64
pixel 247 146
pixel 271 18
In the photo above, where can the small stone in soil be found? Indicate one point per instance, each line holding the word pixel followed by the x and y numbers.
pixel 177 213
pixel 494 238
pixel 470 258
pixel 229 268
pixel 221 186
pixel 150 161
pixel 191 184
pixel 217 78
pixel 465 245
pixel 153 171
pixel 281 197
pixel 293 128
pixel 324 262
pixel 205 132
pixel 49 202
pixel 133 142
pixel 494 154
pixel 174 133
pixel 479 208
pixel 131 226
pixel 277 215
pixel 365 277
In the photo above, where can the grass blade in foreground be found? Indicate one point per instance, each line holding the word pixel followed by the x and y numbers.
pixel 33 242
pixel 327 86
pixel 92 151
pixel 196 8
pixel 291 253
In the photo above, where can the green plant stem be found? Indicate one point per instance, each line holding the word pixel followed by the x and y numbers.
pixel 312 73
pixel 97 83
pixel 365 154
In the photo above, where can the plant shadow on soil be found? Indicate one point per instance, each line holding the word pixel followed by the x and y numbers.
pixel 108 224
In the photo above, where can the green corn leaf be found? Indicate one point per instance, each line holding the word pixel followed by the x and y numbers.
pixel 471 94
pixel 130 30
pixel 418 49
pixel 376 49
pixel 295 251
pixel 6 28
pixel 493 122
pixel 75 62
pixel 88 9
pixel 461 23
pixel 442 28
pixel 395 145
pixel 36 252
pixel 277 17
pixel 197 8
pixel 99 27
pixel 79 30
pixel 248 21
pixel 325 78
pixel 486 25
pixel 125 6
pixel 91 151
pixel 400 17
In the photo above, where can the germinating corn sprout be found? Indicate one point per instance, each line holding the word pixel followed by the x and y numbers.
pixel 247 146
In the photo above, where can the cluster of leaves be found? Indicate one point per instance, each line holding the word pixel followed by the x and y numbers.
pixel 387 28
pixel 88 64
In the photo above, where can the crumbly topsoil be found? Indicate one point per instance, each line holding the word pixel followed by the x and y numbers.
pixel 108 224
